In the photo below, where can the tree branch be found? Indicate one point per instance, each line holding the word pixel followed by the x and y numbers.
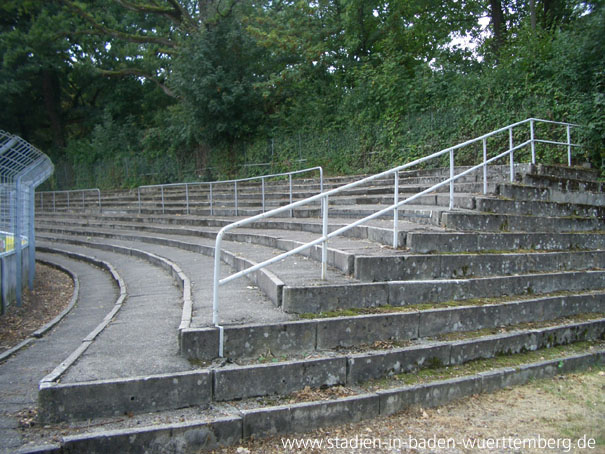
pixel 173 14
pixel 137 72
pixel 102 30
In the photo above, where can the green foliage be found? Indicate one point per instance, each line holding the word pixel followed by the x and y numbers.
pixel 146 92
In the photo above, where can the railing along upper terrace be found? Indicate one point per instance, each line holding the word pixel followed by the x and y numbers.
pixel 46 197
pixel 213 184
pixel 323 197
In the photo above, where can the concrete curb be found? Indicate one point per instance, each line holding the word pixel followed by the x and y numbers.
pixel 47 327
pixel 61 368
pixel 191 437
pixel 268 282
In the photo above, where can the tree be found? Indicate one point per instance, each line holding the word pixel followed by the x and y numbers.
pixel 33 72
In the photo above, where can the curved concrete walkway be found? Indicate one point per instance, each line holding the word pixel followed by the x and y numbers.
pixel 20 374
pixel 142 338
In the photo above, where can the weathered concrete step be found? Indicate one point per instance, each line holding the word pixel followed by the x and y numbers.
pixel 175 201
pixel 523 192
pixel 519 192
pixel 69 401
pixel 461 200
pixel 211 432
pixel 487 222
pixel 379 231
pixel 560 171
pixel 340 252
pixel 562 184
pixel 533 208
pixel 401 293
pixel 442 242
pixel 294 270
pixel 453 266
pixel 425 214
pixel 316 335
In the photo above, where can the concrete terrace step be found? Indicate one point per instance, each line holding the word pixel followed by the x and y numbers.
pixel 233 382
pixel 308 336
pixel 562 183
pixel 352 257
pixel 247 421
pixel 490 222
pixel 401 293
pixel 417 238
pixel 446 242
pixel 533 193
pixel 533 208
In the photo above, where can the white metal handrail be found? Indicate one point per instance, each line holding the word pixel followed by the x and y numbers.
pixel 97 191
pixel 212 184
pixel 324 197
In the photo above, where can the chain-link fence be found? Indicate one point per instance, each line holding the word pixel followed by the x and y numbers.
pixel 22 169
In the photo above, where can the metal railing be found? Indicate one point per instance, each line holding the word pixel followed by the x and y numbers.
pixel 324 197
pixel 71 202
pixel 213 184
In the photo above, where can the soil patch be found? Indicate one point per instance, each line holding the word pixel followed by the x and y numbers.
pixel 52 292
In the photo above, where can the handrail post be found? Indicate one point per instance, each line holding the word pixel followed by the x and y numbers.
pixel 290 186
pixel 215 296
pixel 187 196
pixel 511 155
pixel 99 198
pixel 396 212
pixel 54 206
pixel 211 202
pixel 451 179
pixel 262 183
pixel 324 249
pixel 484 166
pixel 235 195
pixel 162 190
pixel 321 179
pixel 569 145
pixel 67 200
pixel 83 205
pixel 139 191
pixel 533 143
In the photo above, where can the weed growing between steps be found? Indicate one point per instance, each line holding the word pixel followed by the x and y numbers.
pixel 434 372
pixel 439 372
pixel 461 335
pixel 353 312
pixel 385 345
